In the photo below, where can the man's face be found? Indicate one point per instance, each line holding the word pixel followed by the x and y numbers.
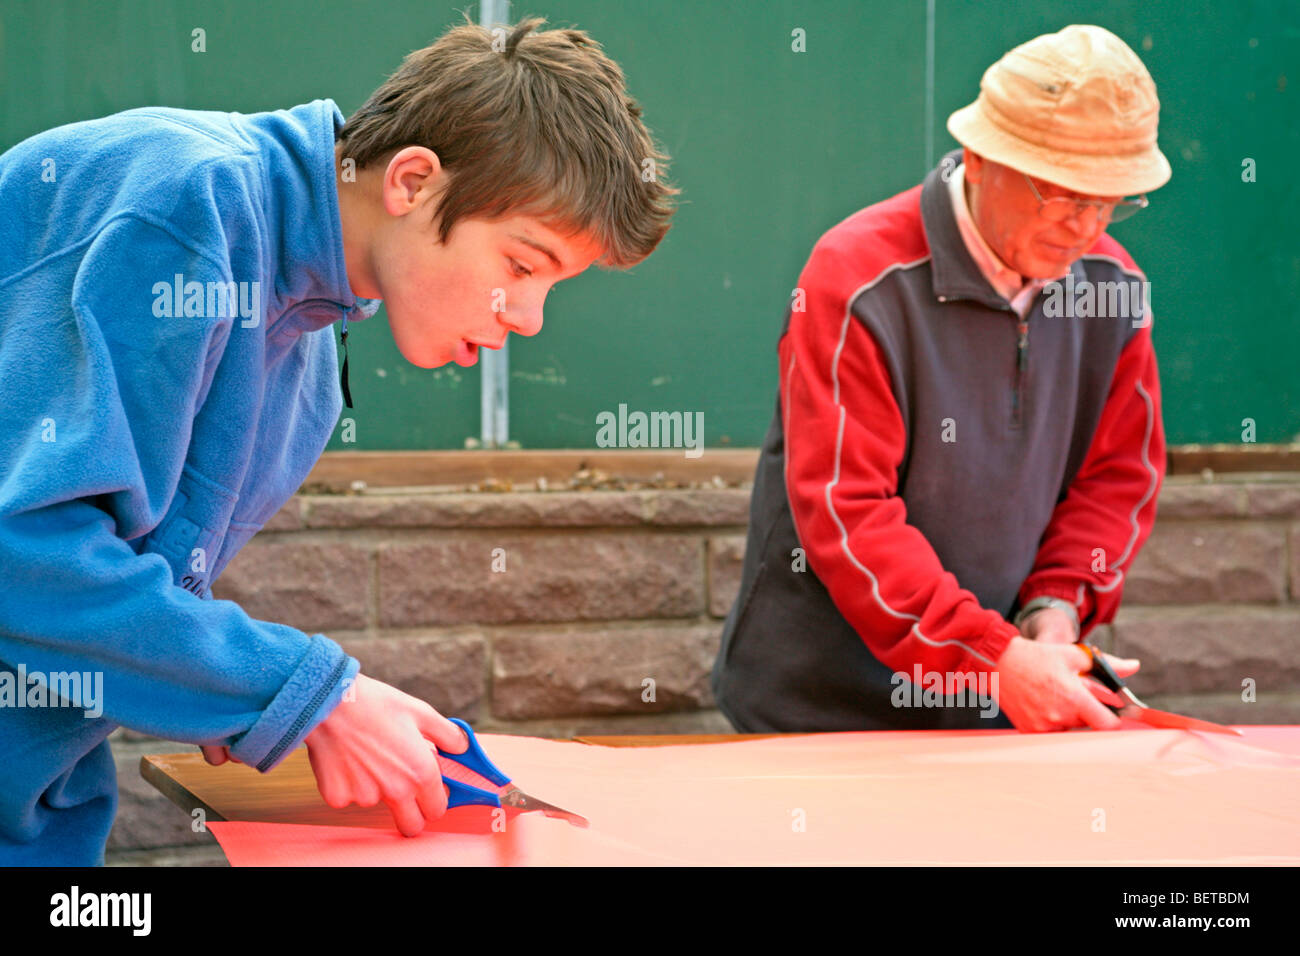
pixel 490 278
pixel 1008 216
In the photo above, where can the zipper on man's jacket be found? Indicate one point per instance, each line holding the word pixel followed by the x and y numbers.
pixel 1022 363
pixel 1022 356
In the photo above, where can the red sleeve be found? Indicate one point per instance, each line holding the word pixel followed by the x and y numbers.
pixel 844 441
pixel 1107 514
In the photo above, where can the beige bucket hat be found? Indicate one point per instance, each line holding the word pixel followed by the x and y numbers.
pixel 1076 108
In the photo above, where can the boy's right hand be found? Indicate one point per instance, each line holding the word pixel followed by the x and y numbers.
pixel 1041 690
pixel 376 746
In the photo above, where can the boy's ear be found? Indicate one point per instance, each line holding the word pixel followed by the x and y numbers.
pixel 413 177
pixel 974 164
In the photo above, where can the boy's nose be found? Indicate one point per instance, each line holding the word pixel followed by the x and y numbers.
pixel 524 322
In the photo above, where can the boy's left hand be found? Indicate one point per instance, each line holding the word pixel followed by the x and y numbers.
pixel 217 755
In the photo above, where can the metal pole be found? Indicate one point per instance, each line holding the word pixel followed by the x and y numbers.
pixel 494 387
pixel 929 85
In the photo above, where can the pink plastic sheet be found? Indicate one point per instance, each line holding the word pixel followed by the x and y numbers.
pixel 1133 796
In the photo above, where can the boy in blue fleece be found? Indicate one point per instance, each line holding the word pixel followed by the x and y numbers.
pixel 170 376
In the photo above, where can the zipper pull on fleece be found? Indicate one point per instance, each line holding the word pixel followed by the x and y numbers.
pixel 343 377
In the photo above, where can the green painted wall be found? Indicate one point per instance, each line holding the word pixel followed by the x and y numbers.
pixel 771 148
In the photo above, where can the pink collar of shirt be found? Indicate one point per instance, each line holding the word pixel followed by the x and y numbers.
pixel 1005 281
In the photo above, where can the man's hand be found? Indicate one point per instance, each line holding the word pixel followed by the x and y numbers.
pixel 380 746
pixel 1040 687
pixel 1049 626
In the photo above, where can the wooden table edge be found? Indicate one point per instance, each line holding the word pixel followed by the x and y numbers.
pixel 173 789
pixel 154 769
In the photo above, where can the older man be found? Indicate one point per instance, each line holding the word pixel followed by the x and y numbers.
pixel 967 444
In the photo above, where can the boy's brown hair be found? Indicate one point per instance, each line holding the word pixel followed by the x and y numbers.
pixel 526 123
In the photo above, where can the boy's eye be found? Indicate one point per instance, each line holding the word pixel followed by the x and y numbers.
pixel 519 269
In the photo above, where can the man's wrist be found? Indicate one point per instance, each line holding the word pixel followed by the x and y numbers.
pixel 1042 604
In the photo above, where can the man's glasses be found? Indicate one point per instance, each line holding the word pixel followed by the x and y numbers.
pixel 1059 208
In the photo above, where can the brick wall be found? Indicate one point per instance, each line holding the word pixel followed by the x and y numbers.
pixel 604 590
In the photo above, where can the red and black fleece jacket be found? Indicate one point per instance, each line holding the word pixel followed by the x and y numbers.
pixel 926 473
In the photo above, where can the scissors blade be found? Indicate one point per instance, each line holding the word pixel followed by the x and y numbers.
pixel 514 797
pixel 1162 718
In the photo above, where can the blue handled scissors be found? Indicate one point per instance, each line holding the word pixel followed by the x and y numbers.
pixel 472 779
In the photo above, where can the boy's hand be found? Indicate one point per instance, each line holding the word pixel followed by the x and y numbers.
pixel 218 755
pixel 1041 690
pixel 379 746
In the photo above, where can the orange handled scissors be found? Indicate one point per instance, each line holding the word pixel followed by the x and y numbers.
pixel 1104 674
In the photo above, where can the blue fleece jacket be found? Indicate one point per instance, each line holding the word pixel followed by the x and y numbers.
pixel 169 377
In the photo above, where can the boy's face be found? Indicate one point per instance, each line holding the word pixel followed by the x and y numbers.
pixel 490 278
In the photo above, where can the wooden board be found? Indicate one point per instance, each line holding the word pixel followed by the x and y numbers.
pixel 288 793
pixel 336 470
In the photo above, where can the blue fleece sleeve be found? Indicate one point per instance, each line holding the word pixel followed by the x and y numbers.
pixel 100 393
